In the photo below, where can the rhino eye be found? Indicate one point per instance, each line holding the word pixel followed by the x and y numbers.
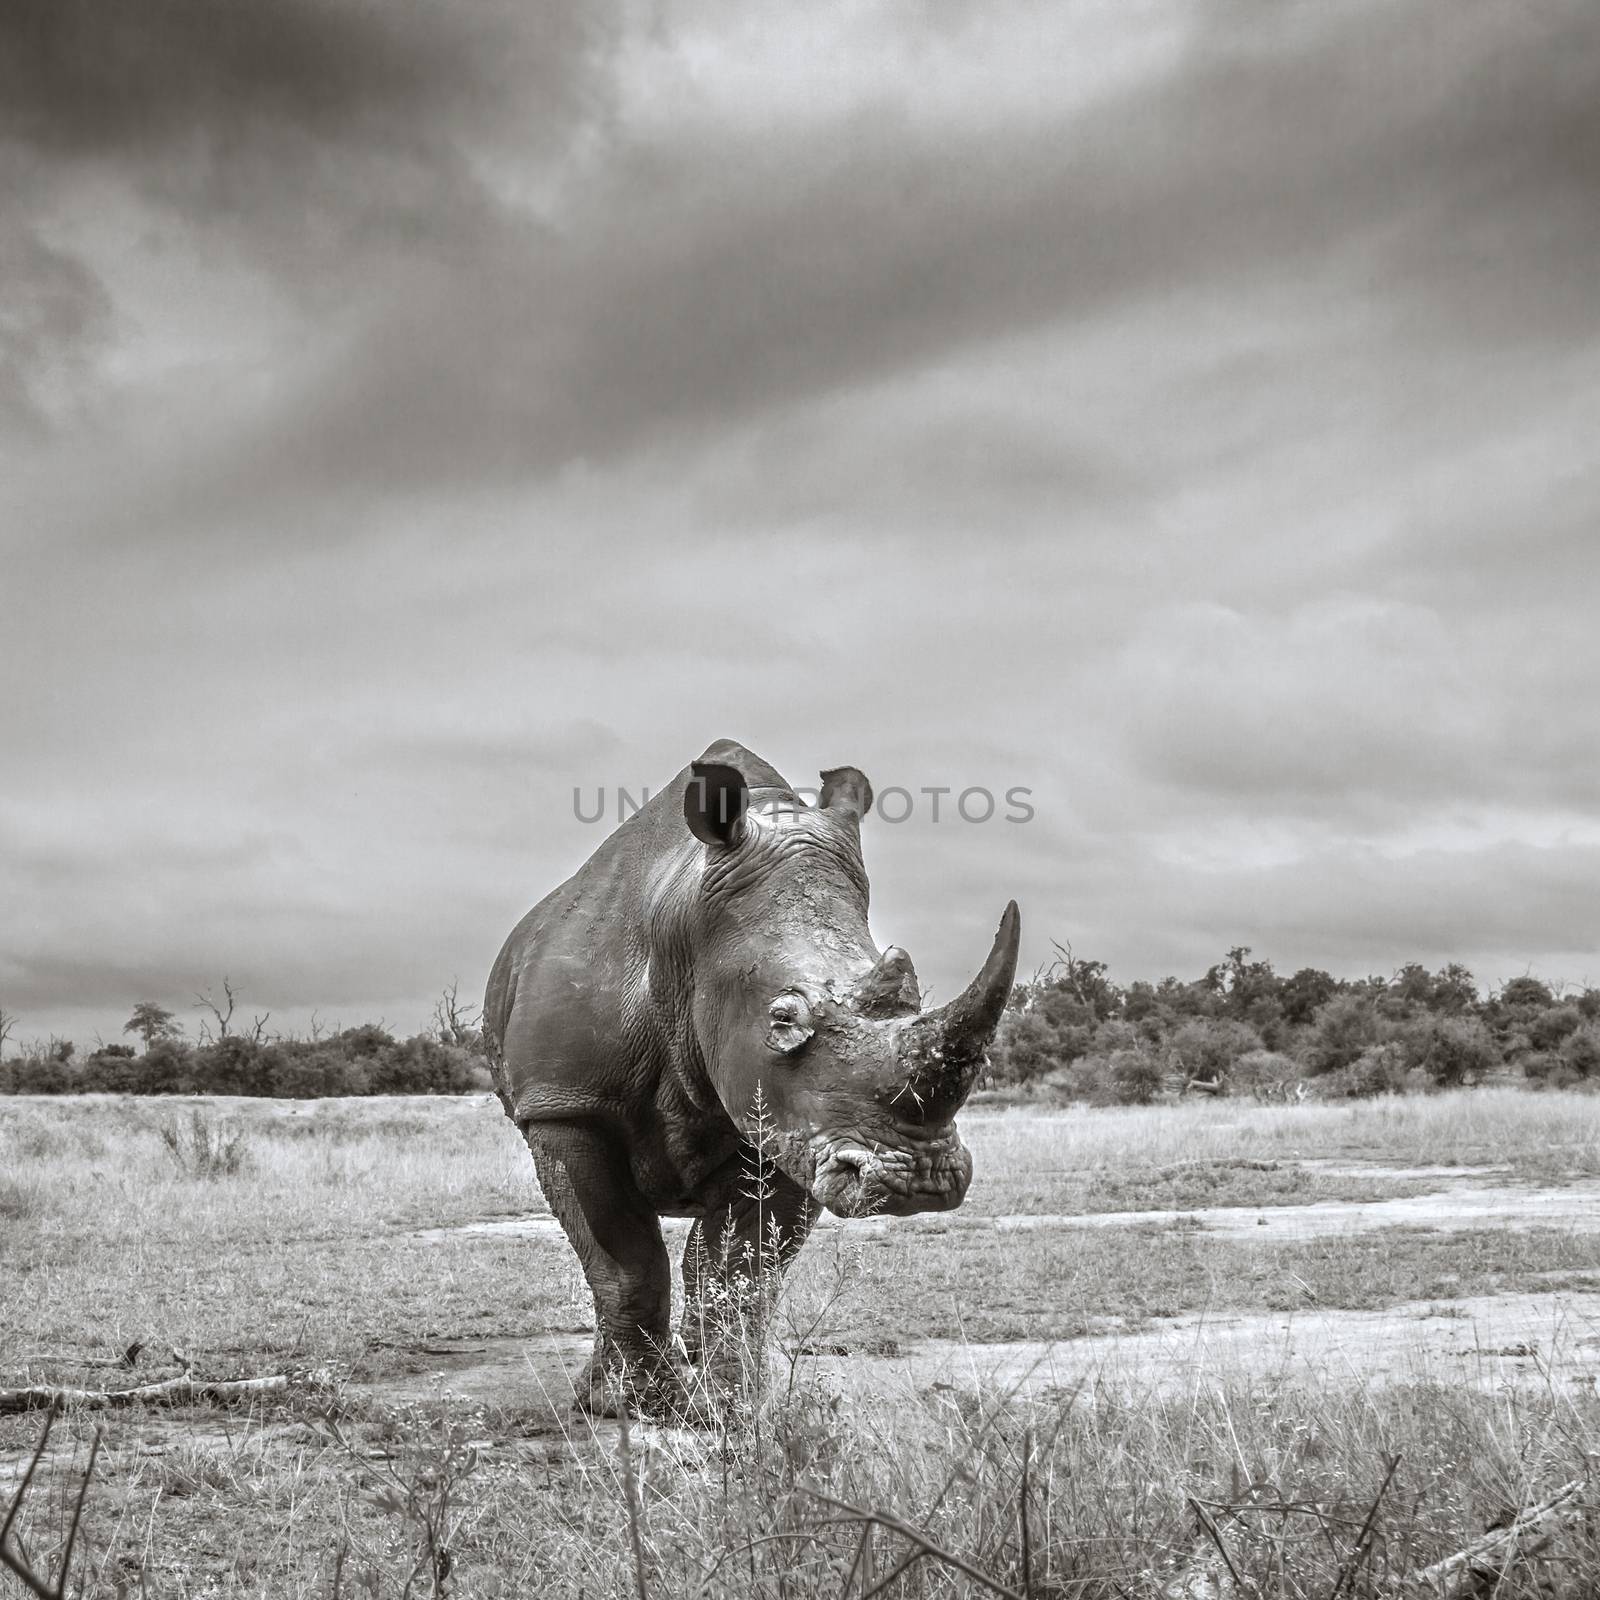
pixel 789 1023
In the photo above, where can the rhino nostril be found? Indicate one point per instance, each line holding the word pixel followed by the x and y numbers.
pixel 855 1160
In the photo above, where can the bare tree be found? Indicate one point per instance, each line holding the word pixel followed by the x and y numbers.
pixel 8 1026
pixel 204 1002
pixel 224 1016
pixel 455 1023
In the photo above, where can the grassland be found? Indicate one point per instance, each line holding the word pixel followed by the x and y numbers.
pixel 337 1240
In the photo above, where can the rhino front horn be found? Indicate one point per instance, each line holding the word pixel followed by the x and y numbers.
pixel 941 1052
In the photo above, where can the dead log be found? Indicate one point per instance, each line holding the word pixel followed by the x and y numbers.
pixel 1208 1573
pixel 1484 1562
pixel 169 1392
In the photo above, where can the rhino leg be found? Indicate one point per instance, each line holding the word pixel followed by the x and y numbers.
pixel 617 1237
pixel 730 1251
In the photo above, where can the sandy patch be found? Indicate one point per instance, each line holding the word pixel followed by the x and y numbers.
pixel 1455 1206
pixel 1459 1206
pixel 1485 1342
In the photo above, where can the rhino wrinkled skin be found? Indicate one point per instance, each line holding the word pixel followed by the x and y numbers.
pixel 709 966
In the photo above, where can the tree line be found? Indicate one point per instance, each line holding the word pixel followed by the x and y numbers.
pixel 1070 1032
pixel 446 1058
pixel 1242 1028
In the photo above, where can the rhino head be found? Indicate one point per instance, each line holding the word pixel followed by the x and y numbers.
pixel 805 1025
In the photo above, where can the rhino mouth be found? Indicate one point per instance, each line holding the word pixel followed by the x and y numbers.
pixel 927 1173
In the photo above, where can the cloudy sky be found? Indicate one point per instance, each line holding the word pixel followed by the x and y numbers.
pixel 409 412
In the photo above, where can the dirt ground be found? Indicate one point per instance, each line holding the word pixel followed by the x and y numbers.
pixel 1464 1203
pixel 417 1284
pixel 1490 1342
pixel 1487 1341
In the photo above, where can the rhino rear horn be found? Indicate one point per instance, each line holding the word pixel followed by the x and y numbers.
pixel 942 1052
pixel 890 989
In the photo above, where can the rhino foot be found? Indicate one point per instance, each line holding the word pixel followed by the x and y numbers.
pixel 659 1390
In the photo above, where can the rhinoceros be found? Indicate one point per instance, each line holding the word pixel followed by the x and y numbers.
pixel 704 984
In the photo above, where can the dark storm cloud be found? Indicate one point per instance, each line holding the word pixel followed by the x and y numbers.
pixel 697 278
pixel 83 76
pixel 202 84
pixel 709 271
pixel 296 140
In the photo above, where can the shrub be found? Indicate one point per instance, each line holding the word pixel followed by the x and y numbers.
pixel 1116 1035
pixel 367 1042
pixel 40 1070
pixel 207 1151
pixel 1087 1078
pixel 1526 992
pixel 112 1071
pixel 1452 1050
pixel 1547 1029
pixel 1550 1072
pixel 305 1070
pixel 232 1065
pixel 1135 1076
pixel 1379 1070
pixel 1265 1075
pixel 1205 1049
pixel 1580 1051
pixel 1345 1029
pixel 1032 1043
pixel 421 1066
pixel 165 1068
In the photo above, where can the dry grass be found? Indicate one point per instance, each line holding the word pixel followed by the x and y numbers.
pixel 1027 1160
pixel 776 1508
pixel 308 1253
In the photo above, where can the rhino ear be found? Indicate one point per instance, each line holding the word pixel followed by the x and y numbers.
pixel 714 803
pixel 846 790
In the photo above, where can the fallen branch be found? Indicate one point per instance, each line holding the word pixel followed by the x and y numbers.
pixel 924 1547
pixel 128 1358
pixel 1209 1573
pixel 170 1391
pixel 1484 1562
